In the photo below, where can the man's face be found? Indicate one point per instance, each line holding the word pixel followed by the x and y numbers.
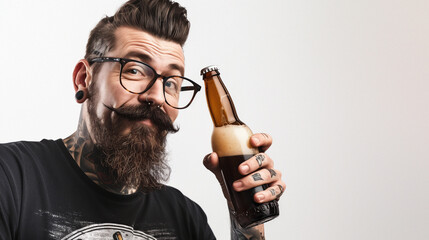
pixel 166 57
pixel 128 131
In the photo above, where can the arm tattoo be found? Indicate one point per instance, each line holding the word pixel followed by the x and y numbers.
pixel 239 233
pixel 257 177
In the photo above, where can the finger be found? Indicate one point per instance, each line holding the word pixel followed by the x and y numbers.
pixel 211 162
pixel 274 192
pixel 263 176
pixel 262 141
pixel 260 160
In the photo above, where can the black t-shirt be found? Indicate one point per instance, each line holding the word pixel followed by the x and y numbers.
pixel 45 195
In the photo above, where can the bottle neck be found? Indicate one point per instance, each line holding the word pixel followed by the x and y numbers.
pixel 221 106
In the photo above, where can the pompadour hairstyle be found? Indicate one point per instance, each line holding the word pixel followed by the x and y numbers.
pixel 162 18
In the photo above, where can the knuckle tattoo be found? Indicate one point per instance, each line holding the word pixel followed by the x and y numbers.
pixel 260 158
pixel 272 173
pixel 273 192
pixel 257 177
pixel 281 188
pixel 281 191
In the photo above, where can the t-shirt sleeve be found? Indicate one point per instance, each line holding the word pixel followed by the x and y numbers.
pixel 9 197
pixel 199 218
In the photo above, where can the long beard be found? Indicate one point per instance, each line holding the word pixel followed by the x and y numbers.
pixel 137 160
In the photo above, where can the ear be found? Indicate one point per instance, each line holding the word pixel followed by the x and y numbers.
pixel 82 78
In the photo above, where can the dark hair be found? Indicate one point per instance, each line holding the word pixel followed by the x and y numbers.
pixel 162 18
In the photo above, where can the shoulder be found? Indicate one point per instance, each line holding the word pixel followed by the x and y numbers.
pixel 170 197
pixel 172 193
pixel 18 158
pixel 15 149
pixel 185 212
pixel 169 190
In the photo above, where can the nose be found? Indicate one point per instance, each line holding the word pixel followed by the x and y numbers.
pixel 155 95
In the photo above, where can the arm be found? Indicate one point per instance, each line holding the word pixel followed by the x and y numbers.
pixel 256 171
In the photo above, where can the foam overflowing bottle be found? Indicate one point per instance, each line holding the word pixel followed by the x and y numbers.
pixel 231 141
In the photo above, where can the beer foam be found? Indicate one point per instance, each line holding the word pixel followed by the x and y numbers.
pixel 232 140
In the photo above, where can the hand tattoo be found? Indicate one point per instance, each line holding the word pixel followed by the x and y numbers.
pixel 272 172
pixel 273 192
pixel 260 158
pixel 257 177
pixel 281 191
pixel 281 188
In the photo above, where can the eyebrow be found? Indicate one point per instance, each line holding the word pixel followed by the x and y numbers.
pixel 147 59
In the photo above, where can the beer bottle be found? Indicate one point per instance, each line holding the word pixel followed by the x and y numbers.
pixel 231 142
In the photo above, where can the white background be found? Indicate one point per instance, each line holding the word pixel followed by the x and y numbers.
pixel 341 85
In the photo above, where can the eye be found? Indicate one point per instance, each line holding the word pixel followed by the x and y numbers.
pixel 172 85
pixel 135 71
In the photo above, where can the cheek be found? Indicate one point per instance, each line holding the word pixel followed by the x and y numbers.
pixel 109 93
pixel 110 90
pixel 172 113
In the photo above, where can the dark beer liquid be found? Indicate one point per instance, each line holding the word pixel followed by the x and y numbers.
pixel 247 212
pixel 230 140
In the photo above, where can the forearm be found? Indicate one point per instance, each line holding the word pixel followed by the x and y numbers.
pixel 239 233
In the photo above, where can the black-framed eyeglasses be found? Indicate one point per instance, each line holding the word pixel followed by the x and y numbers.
pixel 138 77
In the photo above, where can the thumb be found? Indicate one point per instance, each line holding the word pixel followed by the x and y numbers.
pixel 211 162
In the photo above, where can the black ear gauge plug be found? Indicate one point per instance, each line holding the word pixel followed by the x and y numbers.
pixel 79 95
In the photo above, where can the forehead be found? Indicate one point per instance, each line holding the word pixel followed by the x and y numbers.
pixel 131 42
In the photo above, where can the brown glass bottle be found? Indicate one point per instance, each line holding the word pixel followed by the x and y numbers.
pixel 230 140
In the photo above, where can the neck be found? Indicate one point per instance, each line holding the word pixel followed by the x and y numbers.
pixel 83 151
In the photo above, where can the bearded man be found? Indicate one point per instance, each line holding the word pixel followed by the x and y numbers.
pixel 104 181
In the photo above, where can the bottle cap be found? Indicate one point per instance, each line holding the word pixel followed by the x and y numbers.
pixel 208 69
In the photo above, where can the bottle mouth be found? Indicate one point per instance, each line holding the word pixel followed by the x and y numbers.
pixel 208 69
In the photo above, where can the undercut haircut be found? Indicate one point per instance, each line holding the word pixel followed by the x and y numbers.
pixel 162 18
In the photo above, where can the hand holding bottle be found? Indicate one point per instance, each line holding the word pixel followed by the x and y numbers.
pixel 270 176
pixel 246 175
